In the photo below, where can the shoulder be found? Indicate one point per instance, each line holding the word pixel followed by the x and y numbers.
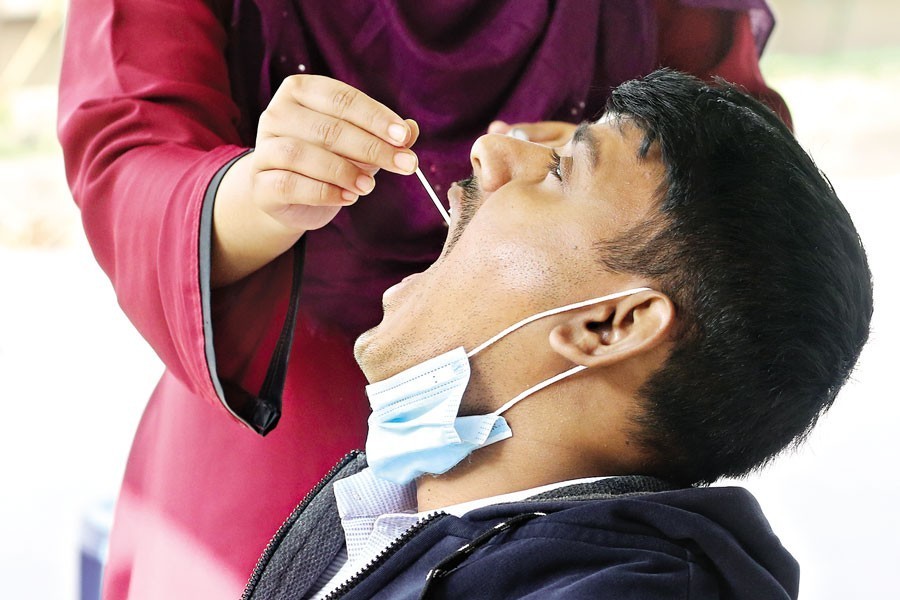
pixel 678 544
pixel 564 554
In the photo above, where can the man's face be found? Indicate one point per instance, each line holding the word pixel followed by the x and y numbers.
pixel 521 241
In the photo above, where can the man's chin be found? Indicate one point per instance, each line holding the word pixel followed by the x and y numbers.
pixel 363 350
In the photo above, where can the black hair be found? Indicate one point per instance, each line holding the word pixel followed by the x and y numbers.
pixel 767 272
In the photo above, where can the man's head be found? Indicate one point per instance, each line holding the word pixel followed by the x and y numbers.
pixel 762 299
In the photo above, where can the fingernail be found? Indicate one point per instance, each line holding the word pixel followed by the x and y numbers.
pixel 349 196
pixel 365 184
pixel 398 133
pixel 405 161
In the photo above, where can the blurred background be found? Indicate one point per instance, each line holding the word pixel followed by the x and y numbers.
pixel 74 375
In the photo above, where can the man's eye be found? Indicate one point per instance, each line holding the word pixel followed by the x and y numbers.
pixel 553 166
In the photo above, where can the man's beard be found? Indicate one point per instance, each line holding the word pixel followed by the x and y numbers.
pixel 471 202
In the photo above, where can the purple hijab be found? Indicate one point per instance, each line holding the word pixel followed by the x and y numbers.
pixel 453 66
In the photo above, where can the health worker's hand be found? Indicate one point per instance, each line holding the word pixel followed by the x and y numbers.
pixel 319 143
pixel 318 146
pixel 549 133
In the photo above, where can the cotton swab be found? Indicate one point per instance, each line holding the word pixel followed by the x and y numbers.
pixel 434 197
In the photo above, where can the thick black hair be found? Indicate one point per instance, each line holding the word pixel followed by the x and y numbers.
pixel 770 280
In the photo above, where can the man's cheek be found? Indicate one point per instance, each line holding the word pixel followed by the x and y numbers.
pixel 513 267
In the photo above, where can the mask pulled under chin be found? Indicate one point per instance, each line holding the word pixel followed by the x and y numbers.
pixel 414 428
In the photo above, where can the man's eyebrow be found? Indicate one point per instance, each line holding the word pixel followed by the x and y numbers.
pixel 584 135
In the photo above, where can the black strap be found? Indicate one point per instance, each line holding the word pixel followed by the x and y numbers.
pixel 263 411
pixel 453 561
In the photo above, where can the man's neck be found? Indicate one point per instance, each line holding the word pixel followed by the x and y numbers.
pixel 508 466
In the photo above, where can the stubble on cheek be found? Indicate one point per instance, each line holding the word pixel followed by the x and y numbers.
pixel 412 330
pixel 383 353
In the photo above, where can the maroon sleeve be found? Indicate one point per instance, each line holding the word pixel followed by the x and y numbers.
pixel 712 42
pixel 145 121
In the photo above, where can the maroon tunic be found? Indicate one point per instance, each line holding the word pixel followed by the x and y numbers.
pixel 157 96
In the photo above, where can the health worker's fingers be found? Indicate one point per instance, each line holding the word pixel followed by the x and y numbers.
pixel 414 132
pixel 414 137
pixel 368 169
pixel 278 189
pixel 347 140
pixel 549 133
pixel 308 218
pixel 346 103
pixel 308 159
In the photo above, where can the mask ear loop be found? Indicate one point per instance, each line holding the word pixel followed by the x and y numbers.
pixel 538 387
pixel 553 311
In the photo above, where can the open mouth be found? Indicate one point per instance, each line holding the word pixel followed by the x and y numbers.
pixel 456 197
pixel 463 205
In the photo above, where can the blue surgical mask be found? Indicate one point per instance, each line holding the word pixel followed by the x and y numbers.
pixel 414 428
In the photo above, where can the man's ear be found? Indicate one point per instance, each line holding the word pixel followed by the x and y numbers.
pixel 616 330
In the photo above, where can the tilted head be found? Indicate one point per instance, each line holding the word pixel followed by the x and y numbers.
pixel 762 294
pixel 765 266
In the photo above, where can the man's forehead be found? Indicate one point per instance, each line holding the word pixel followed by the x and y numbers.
pixel 611 132
pixel 608 123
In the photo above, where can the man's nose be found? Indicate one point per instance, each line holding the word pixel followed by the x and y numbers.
pixel 498 159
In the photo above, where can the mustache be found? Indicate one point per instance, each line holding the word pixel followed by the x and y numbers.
pixel 471 192
pixel 469 186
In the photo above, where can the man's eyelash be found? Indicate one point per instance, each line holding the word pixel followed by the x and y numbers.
pixel 554 165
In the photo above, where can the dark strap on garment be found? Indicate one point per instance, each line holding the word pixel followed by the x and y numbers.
pixel 273 385
pixel 263 411
pixel 453 561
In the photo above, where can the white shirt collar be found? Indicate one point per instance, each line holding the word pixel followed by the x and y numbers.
pixel 371 506
pixel 462 508
pixel 375 512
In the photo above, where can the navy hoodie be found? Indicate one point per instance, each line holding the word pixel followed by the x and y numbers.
pixel 618 538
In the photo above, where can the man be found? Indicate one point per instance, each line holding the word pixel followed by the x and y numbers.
pixel 680 295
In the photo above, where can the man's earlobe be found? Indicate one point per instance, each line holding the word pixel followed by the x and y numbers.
pixel 608 333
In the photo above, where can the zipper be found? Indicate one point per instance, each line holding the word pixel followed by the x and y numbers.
pixel 288 523
pixel 385 554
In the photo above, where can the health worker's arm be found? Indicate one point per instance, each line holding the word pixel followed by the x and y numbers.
pixel 145 121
